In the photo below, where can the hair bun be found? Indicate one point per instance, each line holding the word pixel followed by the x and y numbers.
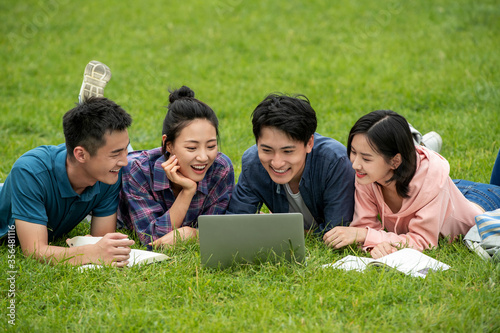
pixel 182 92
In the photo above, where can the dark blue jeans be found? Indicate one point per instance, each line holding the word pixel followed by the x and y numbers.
pixel 495 174
pixel 485 195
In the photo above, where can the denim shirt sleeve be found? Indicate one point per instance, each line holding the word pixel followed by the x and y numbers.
pixel 245 198
pixel 338 196
pixel 220 189
pixel 329 184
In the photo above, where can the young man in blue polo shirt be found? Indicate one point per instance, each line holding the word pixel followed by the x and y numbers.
pixel 294 169
pixel 50 189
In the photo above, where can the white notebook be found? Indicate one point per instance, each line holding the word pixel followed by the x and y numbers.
pixel 408 261
pixel 137 257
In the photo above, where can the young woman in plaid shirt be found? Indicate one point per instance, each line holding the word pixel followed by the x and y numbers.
pixel 165 189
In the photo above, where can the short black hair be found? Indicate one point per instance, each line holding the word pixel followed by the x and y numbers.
pixel 388 133
pixel 182 110
pixel 86 124
pixel 290 114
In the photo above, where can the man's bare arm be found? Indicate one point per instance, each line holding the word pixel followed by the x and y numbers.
pixel 112 248
pixel 101 226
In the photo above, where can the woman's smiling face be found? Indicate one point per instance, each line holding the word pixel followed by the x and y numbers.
pixel 370 166
pixel 195 148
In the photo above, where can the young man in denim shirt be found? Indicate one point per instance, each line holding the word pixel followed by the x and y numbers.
pixel 294 169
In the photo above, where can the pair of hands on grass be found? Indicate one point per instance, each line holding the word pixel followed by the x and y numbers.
pixel 382 249
pixel 339 237
pixel 176 235
pixel 113 248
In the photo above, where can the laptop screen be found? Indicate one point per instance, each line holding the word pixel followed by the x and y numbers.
pixel 250 238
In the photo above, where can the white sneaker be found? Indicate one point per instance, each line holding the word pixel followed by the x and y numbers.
pixel 95 78
pixel 433 141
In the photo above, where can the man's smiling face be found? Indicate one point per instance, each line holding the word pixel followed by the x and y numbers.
pixel 106 164
pixel 283 158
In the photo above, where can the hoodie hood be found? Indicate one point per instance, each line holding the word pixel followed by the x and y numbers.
pixel 430 179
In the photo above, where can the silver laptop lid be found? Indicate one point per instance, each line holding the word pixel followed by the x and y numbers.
pixel 250 238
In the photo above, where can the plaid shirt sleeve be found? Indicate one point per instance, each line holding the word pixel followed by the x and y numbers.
pixel 141 208
pixel 221 188
pixel 147 211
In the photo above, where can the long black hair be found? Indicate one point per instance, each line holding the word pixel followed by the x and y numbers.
pixel 388 133
pixel 182 110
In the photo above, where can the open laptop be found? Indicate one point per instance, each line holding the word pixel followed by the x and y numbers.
pixel 250 238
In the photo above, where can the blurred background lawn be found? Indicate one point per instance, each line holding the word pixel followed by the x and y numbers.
pixel 435 62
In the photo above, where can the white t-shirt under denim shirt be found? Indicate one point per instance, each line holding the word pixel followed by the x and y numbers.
pixel 297 205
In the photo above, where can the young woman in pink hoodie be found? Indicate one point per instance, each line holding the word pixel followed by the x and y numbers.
pixel 404 195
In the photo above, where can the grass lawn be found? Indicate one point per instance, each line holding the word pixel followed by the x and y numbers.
pixel 435 62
